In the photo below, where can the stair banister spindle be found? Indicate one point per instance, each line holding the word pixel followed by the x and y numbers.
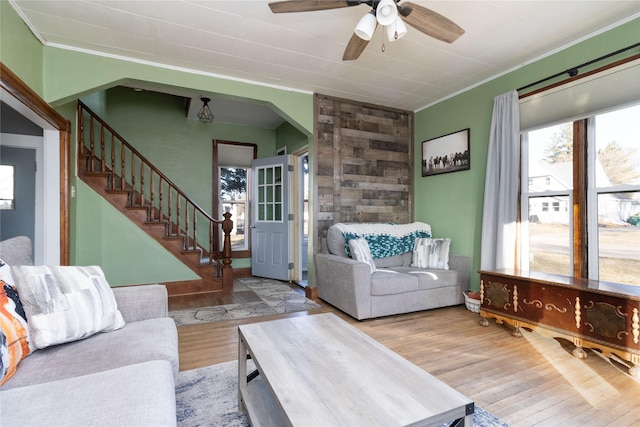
pixel 160 205
pixel 103 166
pixel 211 228
pixel 178 214
pixel 122 167
pixel 81 148
pixel 113 163
pixel 169 210
pixel 141 183
pixel 151 197
pixel 133 177
pixel 195 228
pixel 186 225
pixel 90 162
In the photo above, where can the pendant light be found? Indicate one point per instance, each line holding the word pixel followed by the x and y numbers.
pixel 205 115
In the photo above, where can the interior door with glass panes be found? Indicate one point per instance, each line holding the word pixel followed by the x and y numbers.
pixel 270 218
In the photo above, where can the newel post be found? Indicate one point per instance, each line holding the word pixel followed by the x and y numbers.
pixel 227 271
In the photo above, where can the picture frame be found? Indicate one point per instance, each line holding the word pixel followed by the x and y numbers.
pixel 446 153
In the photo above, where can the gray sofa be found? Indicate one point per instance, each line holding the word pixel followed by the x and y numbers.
pixel 119 378
pixel 394 288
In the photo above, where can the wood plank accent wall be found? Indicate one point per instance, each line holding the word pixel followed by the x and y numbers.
pixel 364 163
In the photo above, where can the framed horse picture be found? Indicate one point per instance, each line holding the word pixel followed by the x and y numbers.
pixel 447 153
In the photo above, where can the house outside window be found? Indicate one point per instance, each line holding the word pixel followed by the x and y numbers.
pixel 612 165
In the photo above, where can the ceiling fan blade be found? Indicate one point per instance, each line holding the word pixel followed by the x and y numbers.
pixel 309 5
pixel 432 23
pixel 354 48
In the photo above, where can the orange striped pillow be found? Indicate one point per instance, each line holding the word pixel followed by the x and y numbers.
pixel 15 343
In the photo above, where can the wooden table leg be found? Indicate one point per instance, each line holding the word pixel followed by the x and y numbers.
pixel 242 371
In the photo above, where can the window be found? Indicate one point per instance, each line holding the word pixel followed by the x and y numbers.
pixel 233 196
pixel 614 191
pixel 270 193
pixel 7 185
pixel 606 147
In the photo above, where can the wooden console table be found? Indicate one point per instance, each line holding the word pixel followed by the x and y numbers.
pixel 590 313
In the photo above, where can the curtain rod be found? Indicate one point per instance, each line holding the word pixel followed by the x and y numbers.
pixel 572 72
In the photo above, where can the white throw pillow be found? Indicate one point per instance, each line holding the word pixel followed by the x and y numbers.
pixel 360 250
pixel 66 304
pixel 431 253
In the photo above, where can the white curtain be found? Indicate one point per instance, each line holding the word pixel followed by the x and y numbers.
pixel 498 246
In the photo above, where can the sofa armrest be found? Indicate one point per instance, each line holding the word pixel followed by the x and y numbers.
pixel 142 302
pixel 461 264
pixel 344 283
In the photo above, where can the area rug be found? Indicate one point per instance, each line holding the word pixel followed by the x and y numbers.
pixel 208 397
pixel 276 297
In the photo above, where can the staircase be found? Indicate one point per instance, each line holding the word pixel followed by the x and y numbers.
pixel 127 180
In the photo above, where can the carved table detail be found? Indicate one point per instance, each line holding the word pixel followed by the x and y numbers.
pixel 589 313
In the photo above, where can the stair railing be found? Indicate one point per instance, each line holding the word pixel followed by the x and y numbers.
pixel 129 171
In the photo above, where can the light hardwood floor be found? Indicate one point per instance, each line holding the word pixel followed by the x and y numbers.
pixel 529 381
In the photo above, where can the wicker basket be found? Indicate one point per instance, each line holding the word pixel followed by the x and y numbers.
pixel 471 304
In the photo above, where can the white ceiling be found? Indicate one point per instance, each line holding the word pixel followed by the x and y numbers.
pixel 242 39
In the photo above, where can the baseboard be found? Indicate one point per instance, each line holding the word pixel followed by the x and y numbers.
pixel 311 293
pixel 242 272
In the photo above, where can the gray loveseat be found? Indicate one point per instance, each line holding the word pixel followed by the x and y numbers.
pixel 394 288
pixel 119 378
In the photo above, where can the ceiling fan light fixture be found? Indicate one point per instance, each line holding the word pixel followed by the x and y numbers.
pixel 386 12
pixel 366 26
pixel 397 30
pixel 205 115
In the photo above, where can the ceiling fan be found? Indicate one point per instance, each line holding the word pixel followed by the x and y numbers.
pixel 388 13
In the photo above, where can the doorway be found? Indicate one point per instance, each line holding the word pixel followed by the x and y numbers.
pixel 301 209
pixel 18 188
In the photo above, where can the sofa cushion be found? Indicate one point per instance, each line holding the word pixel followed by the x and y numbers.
pixel 431 253
pixel 65 304
pixel 430 279
pixel 135 395
pixel 15 342
pixel 153 339
pixel 335 242
pixel 388 282
pixel 390 261
pixel 360 251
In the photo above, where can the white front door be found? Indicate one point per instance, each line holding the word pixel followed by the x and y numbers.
pixel 270 218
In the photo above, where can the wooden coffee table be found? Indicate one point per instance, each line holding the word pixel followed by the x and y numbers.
pixel 320 371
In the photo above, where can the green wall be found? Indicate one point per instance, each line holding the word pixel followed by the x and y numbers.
pixel 70 75
pixel 452 203
pixel 289 136
pixel 19 49
pixel 126 253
